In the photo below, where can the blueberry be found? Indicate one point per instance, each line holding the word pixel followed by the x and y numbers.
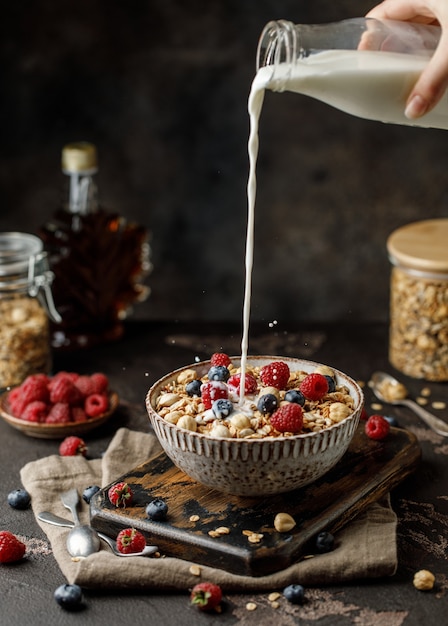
pixel 267 403
pixel 324 542
pixel 222 408
pixel 218 372
pixel 294 594
pixel 69 597
pixel 89 492
pixel 392 421
pixel 157 510
pixel 296 396
pixel 19 499
pixel 331 383
pixel 193 388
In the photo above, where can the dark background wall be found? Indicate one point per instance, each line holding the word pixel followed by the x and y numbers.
pixel 161 87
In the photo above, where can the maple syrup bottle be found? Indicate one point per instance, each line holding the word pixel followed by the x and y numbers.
pixel 99 259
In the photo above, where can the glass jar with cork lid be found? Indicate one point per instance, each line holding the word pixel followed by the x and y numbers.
pixel 26 304
pixel 418 341
pixel 99 259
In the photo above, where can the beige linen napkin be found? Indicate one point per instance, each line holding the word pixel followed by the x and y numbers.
pixel 366 548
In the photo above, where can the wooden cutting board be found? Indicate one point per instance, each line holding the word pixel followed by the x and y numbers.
pixel 368 470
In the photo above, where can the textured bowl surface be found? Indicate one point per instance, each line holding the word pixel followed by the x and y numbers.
pixel 255 467
pixel 55 431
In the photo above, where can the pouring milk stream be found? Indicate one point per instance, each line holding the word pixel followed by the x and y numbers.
pixel 362 66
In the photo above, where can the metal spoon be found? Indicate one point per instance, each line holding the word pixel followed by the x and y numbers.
pixel 380 379
pixel 82 540
pixel 50 518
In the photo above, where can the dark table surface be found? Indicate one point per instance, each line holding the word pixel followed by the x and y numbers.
pixel 149 350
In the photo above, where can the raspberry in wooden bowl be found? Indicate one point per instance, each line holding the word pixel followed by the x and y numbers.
pixel 55 407
pixel 293 424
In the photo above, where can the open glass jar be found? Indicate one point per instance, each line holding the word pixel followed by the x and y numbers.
pixel 26 304
pixel 418 343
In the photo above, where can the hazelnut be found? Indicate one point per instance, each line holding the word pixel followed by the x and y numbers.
pixel 186 377
pixel 187 422
pixel 284 522
pixel 240 421
pixel 424 580
pixel 167 399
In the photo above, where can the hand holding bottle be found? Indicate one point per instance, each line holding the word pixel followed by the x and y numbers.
pixel 432 83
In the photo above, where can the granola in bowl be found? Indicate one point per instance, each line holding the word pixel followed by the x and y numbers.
pixel 182 403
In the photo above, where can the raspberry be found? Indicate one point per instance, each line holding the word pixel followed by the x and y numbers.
pixel 71 376
pixel 35 411
pixel 364 415
pixel 275 374
pixel 120 495
pixel 85 385
pixel 71 446
pixel 288 418
pixel 314 386
pixel 211 391
pixel 11 548
pixel 34 388
pixel 250 384
pixel 377 427
pixel 206 596
pixel 130 540
pixel 100 382
pixel 15 401
pixel 220 358
pixel 78 414
pixel 96 404
pixel 59 414
pixel 63 390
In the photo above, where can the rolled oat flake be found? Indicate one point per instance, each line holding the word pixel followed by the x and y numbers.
pixel 26 304
pixel 418 338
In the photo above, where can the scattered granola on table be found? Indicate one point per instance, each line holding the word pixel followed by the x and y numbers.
pixel 424 580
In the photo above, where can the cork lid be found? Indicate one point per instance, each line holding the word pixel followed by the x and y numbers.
pixel 79 157
pixel 421 245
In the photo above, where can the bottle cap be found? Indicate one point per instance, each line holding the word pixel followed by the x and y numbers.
pixel 79 157
pixel 421 245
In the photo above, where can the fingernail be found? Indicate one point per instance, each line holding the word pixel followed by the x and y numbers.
pixel 416 107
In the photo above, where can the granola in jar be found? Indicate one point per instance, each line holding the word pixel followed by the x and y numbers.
pixel 25 306
pixel 24 340
pixel 418 340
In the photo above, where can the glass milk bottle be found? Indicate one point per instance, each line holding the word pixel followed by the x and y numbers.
pixel 99 259
pixel 363 66
pixel 25 306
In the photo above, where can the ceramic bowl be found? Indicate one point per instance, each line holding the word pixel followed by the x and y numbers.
pixel 255 467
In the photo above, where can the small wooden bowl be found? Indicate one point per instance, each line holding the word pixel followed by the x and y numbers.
pixel 55 431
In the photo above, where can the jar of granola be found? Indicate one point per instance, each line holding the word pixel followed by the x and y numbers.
pixel 25 307
pixel 418 343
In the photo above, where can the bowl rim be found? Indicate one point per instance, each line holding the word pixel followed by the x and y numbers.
pixel 245 441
